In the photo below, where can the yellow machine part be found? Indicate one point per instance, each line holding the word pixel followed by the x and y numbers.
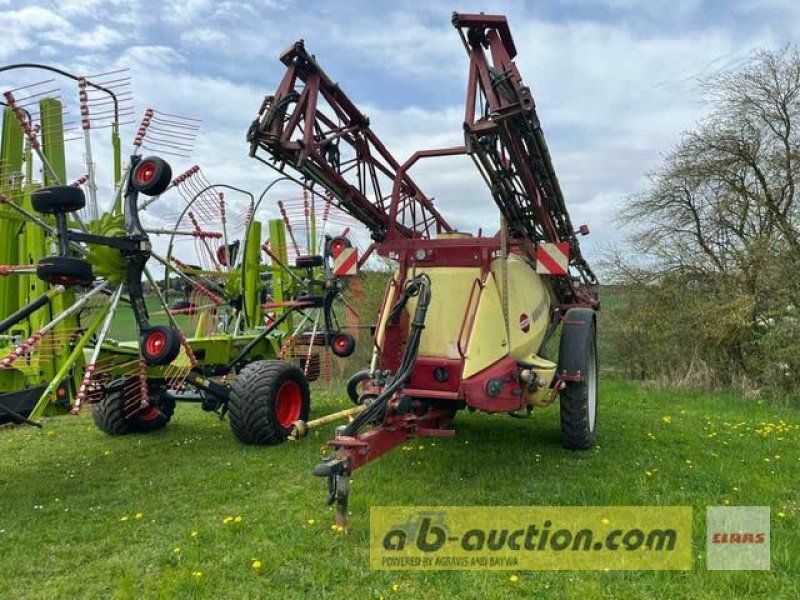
pixel 527 297
pixel 449 296
pixel 538 392
pixel 486 341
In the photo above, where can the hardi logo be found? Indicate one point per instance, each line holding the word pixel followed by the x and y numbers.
pixel 524 323
pixel 737 538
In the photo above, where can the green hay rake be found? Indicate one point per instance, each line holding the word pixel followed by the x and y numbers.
pixel 265 316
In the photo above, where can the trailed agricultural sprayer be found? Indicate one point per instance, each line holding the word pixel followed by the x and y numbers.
pixel 264 314
pixel 464 318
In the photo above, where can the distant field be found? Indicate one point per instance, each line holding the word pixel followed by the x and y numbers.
pixel 85 515
pixel 123 327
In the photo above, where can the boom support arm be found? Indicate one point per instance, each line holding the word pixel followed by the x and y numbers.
pixel 310 125
pixel 504 136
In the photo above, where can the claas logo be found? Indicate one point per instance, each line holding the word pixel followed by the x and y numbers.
pixel 739 537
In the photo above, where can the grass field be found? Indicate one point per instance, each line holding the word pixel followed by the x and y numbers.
pixel 85 515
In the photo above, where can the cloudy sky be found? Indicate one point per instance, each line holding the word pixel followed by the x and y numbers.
pixel 615 80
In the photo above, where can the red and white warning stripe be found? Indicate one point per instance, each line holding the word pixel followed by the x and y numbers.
pixel 345 260
pixel 552 259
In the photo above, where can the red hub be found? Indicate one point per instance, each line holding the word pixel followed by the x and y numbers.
pixel 149 413
pixel 340 343
pixel 288 403
pixel 146 172
pixel 155 343
pixel 337 246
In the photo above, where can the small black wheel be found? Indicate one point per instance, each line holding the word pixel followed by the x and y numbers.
pixel 64 270
pixel 267 396
pixel 113 414
pixel 308 262
pixel 335 245
pixel 226 255
pixel 343 344
pixel 151 176
pixel 352 385
pixel 578 399
pixel 160 345
pixel 58 200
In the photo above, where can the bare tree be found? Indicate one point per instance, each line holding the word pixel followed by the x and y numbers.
pixel 721 216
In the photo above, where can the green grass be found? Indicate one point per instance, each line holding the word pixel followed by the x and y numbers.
pixel 66 489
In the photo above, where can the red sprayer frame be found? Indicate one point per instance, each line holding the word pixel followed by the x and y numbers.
pixel 311 126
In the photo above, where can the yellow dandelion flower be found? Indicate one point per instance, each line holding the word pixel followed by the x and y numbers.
pixel 667 419
pixel 688 462
pixel 237 519
pixel 781 514
pixel 138 516
pixel 197 574
pixel 514 578
pixel 726 502
pixel 124 518
pixel 176 550
pixel 648 473
pixel 194 534
pixel 395 587
pixel 256 564
pixel 106 452
pixel 227 520
pixel 311 521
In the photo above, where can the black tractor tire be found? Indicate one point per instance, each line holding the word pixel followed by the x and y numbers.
pixel 343 344
pixel 64 270
pixel 58 200
pixel 267 396
pixel 151 176
pixel 578 399
pixel 109 413
pixel 159 345
pixel 308 262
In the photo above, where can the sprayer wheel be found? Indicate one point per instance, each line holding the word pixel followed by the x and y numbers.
pixel 578 399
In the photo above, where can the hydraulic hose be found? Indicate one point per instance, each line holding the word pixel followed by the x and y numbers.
pixel 419 286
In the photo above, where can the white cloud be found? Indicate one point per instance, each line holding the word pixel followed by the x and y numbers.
pixel 20 28
pixel 203 36
pixel 98 38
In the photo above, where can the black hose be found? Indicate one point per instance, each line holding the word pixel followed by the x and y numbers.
pixel 419 286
